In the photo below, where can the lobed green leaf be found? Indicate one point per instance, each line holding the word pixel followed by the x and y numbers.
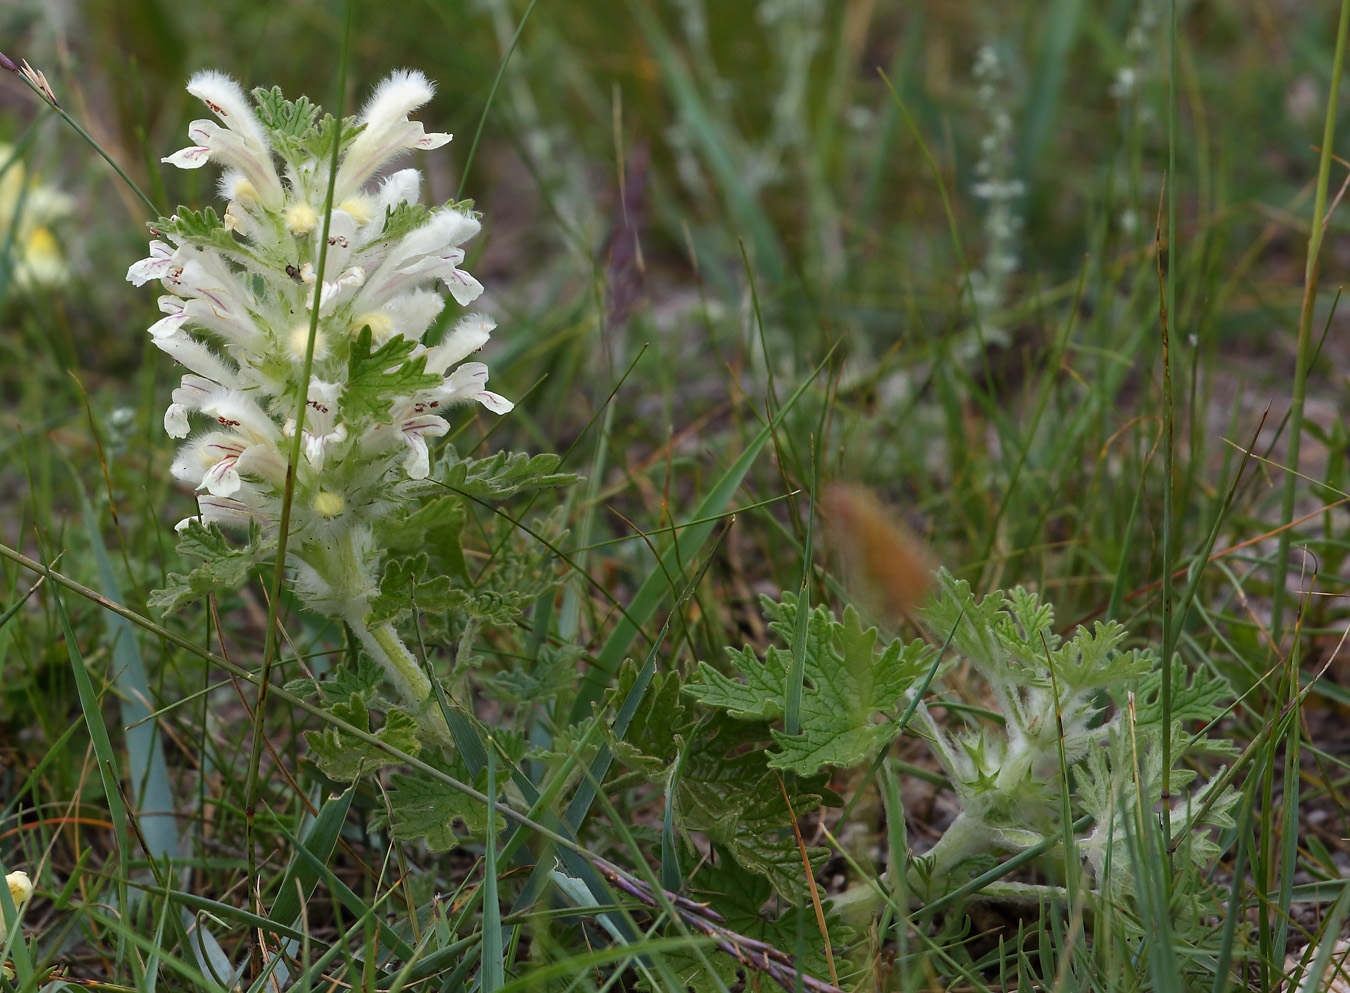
pixel 224 566
pixel 374 377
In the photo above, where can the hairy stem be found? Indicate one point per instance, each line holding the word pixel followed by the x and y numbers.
pixel 340 563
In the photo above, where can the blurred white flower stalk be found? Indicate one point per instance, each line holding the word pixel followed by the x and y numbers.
pixel 1138 49
pixel 1129 89
pixel 29 211
pixel 1000 189
pixel 242 291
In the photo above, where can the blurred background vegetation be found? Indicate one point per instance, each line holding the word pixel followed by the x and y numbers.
pixel 945 212
pixel 943 215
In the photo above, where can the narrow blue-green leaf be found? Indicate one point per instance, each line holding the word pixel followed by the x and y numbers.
pixel 1330 931
pixel 898 845
pixel 581 965
pixel 15 607
pixel 716 143
pixel 349 899
pixel 585 795
pixel 792 704
pixel 152 960
pixel 493 974
pixel 1302 360
pixel 318 841
pixel 197 979
pixel 580 804
pixel 228 912
pixel 1059 28
pixel 14 943
pixel 1147 850
pixel 106 758
pixel 147 772
pixel 433 963
pixel 467 740
pixel 1223 971
pixel 1289 819
pixel 492 93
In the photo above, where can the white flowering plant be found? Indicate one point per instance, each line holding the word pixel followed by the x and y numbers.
pixel 1062 725
pixel 318 367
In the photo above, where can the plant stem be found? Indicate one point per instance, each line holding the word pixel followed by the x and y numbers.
pixel 384 645
pixel 340 564
pixel 964 837
pixel 1303 358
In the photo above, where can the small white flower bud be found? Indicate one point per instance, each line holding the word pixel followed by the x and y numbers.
pixel 20 889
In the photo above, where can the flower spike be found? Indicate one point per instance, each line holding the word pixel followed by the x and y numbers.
pixel 240 292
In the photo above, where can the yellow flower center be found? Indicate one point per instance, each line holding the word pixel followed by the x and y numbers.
pixel 301 219
pixel 360 209
pixel 328 504
pixel 245 193
pixel 299 340
pixel 381 325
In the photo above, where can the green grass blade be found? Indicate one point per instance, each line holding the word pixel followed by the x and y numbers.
pixel 717 144
pixel 1059 29
pixel 302 875
pixel 1302 359
pixel 654 589
pixel 492 976
pixel 1330 932
pixel 1223 972
pixel 105 756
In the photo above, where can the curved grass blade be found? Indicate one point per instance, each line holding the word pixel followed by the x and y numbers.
pixel 493 974
pixel 654 589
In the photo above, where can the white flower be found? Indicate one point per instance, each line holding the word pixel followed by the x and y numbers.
pixel 214 462
pixel 469 335
pixel 416 427
pixel 154 267
pixel 387 132
pixel 229 406
pixel 241 143
pixel 245 298
pixel 466 383
pixel 411 314
pixel 197 357
pixel 238 308
pixel 221 510
pixel 421 418
pixel 432 251
pixel 322 428
pixel 398 187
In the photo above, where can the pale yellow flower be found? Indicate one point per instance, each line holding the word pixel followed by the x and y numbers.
pixel 28 209
pixel 20 889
